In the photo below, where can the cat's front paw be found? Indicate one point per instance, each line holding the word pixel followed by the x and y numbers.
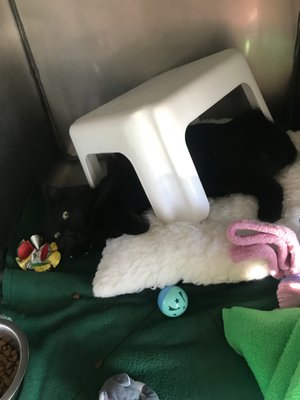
pixel 136 224
pixel 270 213
pixel 270 199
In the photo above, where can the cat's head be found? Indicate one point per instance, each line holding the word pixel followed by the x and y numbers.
pixel 68 219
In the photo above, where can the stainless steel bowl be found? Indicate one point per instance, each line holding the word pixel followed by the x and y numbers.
pixel 13 335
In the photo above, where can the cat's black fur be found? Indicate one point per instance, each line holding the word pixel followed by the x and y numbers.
pixel 94 215
pixel 241 156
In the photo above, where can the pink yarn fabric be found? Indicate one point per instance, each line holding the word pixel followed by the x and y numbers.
pixel 288 293
pixel 276 244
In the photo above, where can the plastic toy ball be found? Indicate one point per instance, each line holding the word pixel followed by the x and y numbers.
pixel 172 301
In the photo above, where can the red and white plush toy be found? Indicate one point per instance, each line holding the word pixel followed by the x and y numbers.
pixel 34 256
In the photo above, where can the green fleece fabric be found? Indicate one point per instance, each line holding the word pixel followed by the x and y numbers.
pixel 270 343
pixel 77 341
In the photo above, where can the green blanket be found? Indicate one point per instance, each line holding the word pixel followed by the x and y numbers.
pixel 77 341
pixel 270 342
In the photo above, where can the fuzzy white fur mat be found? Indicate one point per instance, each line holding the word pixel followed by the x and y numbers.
pixel 191 252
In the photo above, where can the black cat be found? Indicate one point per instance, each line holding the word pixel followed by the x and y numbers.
pixel 68 219
pixel 80 218
pixel 241 156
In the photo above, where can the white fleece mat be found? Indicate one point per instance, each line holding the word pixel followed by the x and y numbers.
pixel 191 252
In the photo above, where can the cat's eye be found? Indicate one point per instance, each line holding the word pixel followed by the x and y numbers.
pixel 65 215
pixel 57 235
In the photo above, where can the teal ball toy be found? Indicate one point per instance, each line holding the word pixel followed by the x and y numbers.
pixel 172 301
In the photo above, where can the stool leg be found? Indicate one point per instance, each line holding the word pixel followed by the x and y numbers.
pixel 244 74
pixel 255 98
pixel 92 169
pixel 172 187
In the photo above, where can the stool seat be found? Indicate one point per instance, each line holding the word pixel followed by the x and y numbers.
pixel 148 125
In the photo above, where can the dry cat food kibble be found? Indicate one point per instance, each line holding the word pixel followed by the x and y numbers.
pixel 9 362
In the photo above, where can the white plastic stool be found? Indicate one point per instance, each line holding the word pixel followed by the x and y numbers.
pixel 148 124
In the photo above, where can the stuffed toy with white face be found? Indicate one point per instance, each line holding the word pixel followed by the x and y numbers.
pixel 122 387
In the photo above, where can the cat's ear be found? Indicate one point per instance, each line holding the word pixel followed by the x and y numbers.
pixel 83 195
pixel 123 379
pixel 52 195
pixel 103 396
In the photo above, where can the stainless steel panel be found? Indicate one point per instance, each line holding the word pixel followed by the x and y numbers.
pixel 91 51
pixel 295 89
pixel 295 7
pixel 26 142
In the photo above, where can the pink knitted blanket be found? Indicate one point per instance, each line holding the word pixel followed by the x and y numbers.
pixel 278 245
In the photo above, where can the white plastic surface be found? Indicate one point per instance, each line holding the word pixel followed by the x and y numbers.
pixel 148 124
